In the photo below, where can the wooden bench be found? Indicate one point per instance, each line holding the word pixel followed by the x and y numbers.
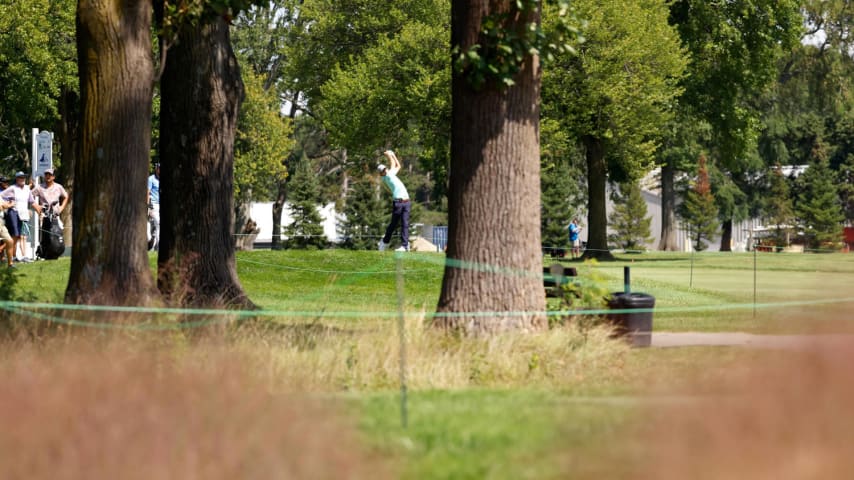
pixel 555 276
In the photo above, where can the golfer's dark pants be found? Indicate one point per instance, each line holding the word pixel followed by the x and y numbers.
pixel 399 215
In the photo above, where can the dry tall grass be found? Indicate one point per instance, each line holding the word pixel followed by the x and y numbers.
pixel 787 419
pixel 72 410
pixel 322 360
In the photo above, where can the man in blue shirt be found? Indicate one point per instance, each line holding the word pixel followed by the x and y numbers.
pixel 400 206
pixel 154 207
pixel 574 240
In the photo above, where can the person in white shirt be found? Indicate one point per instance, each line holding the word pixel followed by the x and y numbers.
pixel 17 216
pixel 154 208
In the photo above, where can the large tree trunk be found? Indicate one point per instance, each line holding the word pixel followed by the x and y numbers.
pixel 726 235
pixel 668 210
pixel 494 257
pixel 597 217
pixel 68 128
pixel 109 264
pixel 201 91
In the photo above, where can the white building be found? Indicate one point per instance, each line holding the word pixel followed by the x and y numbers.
pixel 262 214
pixel 742 232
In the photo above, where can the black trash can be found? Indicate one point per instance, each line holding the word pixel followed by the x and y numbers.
pixel 636 327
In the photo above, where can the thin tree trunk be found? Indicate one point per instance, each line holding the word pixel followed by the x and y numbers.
pixel 242 215
pixel 726 235
pixel 495 262
pixel 109 263
pixel 597 219
pixel 282 193
pixel 201 91
pixel 668 210
pixel 345 185
pixel 345 176
pixel 278 209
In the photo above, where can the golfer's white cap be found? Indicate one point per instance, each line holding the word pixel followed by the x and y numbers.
pixel 381 168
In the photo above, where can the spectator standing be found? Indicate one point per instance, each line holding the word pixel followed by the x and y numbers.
pixel 400 203
pixel 154 207
pixel 574 238
pixel 8 243
pixel 19 214
pixel 51 194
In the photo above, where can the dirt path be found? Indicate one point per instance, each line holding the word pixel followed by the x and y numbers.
pixel 693 339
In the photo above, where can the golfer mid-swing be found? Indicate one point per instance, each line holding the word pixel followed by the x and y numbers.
pixel 400 205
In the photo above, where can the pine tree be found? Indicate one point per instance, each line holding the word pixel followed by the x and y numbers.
pixel 558 192
pixel 306 230
pixel 698 210
pixel 819 209
pixel 365 216
pixel 629 222
pixel 778 210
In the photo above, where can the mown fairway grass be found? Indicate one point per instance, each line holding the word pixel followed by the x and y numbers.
pixel 360 286
pixel 567 430
pixel 790 290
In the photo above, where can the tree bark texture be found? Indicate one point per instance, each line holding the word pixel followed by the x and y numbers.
pixel 668 210
pixel 278 209
pixel 109 263
pixel 494 252
pixel 69 131
pixel 201 92
pixel 597 217
pixel 242 213
pixel 726 235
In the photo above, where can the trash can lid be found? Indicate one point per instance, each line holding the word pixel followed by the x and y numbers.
pixel 631 300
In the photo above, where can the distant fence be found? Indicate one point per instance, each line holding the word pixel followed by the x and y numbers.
pixel 440 238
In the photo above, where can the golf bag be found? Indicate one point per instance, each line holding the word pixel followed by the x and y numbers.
pixel 52 245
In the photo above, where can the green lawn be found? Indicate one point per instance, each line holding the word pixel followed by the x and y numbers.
pixel 339 280
pixel 723 283
pixel 467 434
pixel 580 433
pixel 717 291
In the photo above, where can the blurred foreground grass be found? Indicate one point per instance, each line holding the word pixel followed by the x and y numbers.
pixel 556 405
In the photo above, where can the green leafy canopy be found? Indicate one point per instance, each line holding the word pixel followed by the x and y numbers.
pixel 262 144
pixel 509 37
pixel 176 14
